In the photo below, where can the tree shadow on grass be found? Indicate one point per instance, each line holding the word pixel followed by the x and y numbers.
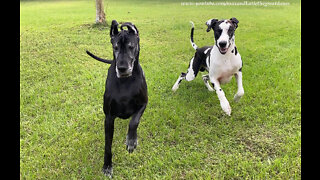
pixel 98 26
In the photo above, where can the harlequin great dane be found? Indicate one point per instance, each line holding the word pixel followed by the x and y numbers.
pixel 126 88
pixel 222 61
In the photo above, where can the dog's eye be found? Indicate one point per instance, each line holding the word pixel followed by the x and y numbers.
pixel 115 48
pixel 218 31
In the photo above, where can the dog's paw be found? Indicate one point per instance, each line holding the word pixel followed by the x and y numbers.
pixel 107 171
pixel 226 107
pixel 131 144
pixel 238 96
pixel 175 87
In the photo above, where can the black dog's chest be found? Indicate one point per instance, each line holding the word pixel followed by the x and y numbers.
pixel 123 107
pixel 124 98
pixel 123 103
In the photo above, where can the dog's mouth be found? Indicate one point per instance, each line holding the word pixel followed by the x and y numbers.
pixel 223 50
pixel 123 72
pixel 124 75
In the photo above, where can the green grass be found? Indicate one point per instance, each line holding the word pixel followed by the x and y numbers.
pixel 182 135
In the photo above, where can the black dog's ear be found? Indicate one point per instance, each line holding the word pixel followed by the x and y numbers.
pixel 234 22
pixel 114 28
pixel 211 23
pixel 131 28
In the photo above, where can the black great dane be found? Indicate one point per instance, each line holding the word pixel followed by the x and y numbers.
pixel 126 88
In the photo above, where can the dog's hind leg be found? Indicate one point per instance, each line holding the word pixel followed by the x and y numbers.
pixel 181 77
pixel 206 82
pixel 192 72
pixel 108 128
pixel 131 140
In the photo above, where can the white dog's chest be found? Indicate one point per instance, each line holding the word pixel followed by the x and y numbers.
pixel 222 68
pixel 223 73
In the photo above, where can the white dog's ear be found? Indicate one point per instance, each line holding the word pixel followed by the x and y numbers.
pixel 114 28
pixel 211 23
pixel 234 22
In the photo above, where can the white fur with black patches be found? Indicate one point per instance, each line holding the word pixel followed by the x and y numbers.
pixel 208 63
pixel 206 51
pixel 222 64
pixel 206 80
pixel 224 36
pixel 177 83
pixel 190 74
pixel 208 23
pixel 191 37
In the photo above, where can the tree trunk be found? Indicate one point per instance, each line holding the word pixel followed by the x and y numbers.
pixel 100 15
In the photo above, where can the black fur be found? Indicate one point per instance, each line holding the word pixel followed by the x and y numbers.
pixel 235 22
pixel 212 24
pixel 217 31
pixel 98 58
pixel 191 35
pixel 124 97
pixel 199 61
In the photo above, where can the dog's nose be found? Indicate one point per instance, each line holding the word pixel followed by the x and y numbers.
pixel 223 44
pixel 122 69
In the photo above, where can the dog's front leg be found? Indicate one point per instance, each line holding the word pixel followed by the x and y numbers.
pixel 108 128
pixel 131 140
pixel 224 103
pixel 240 91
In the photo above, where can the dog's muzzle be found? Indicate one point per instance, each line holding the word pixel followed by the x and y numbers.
pixel 223 47
pixel 123 72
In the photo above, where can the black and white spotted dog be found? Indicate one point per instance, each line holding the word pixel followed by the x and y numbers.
pixel 222 61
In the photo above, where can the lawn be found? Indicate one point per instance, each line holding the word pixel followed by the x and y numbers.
pixel 183 134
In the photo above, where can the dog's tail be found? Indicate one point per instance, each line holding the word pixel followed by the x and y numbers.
pixel 99 59
pixel 191 37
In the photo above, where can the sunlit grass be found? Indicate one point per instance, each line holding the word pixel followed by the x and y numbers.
pixel 182 135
